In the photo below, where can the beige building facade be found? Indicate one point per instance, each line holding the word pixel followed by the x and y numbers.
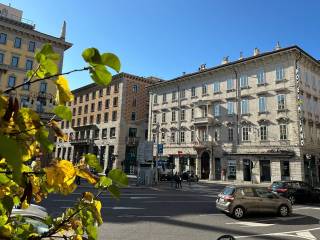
pixel 110 122
pixel 252 120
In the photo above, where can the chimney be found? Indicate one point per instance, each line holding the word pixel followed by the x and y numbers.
pixel 225 60
pixel 277 46
pixel 256 52
pixel 202 67
pixel 241 56
pixel 63 31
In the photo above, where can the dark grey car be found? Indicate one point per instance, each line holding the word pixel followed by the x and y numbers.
pixel 239 200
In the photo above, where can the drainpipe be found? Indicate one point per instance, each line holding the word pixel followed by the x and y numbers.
pixel 238 95
pixel 179 121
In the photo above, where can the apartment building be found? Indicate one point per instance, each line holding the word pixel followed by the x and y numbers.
pixel 110 122
pixel 255 119
pixel 19 41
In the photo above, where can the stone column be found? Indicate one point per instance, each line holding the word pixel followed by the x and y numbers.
pixel 211 164
pixel 275 170
pixel 177 164
pixel 297 169
pixel 198 166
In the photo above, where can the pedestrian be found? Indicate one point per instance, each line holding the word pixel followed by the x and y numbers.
pixel 180 181
pixel 176 179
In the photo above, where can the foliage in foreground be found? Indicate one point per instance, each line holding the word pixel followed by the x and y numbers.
pixel 23 137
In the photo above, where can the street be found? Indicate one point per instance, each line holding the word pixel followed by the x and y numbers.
pixel 161 212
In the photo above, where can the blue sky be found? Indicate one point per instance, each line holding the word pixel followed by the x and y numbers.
pixel 164 38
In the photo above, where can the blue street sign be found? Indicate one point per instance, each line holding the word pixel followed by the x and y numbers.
pixel 160 148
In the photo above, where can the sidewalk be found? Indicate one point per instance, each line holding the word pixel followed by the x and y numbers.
pixel 233 183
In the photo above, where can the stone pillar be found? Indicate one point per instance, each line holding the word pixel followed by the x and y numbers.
pixel 239 169
pixel 105 163
pixel 177 163
pixel 255 171
pixel 198 166
pixel 211 165
pixel 297 169
pixel 275 170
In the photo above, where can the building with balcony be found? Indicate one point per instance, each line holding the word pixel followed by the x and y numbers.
pixel 255 119
pixel 110 122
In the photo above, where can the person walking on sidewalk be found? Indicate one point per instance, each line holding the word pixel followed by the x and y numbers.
pixel 180 181
pixel 176 179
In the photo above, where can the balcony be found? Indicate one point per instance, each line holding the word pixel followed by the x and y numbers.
pixel 202 120
pixel 132 141
pixel 201 144
pixel 81 141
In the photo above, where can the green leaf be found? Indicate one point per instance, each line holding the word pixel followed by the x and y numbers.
pixel 11 151
pixel 63 111
pixel 51 67
pixel 118 177
pixel 3 178
pixel 42 137
pixel 92 232
pixel 111 60
pixel 92 161
pixel 114 190
pixel 91 56
pixel 101 75
pixel 104 182
pixel 7 203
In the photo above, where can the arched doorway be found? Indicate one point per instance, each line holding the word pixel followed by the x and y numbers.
pixel 205 165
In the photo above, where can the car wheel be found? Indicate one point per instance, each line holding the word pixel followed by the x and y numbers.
pixel 238 212
pixel 292 199
pixel 283 211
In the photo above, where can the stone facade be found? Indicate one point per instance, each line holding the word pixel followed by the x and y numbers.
pixel 255 119
pixel 110 122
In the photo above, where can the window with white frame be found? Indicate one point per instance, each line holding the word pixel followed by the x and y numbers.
pixel 204 111
pixel 230 134
pixel 244 81
pixel 163 117
pixel 163 136
pixel 216 87
pixel 230 84
pixel 281 99
pixel 244 106
pixel 154 137
pixel 192 113
pixel 154 118
pixel 135 88
pixel 155 99
pixel 11 81
pixel 204 89
pixel 245 133
pixel 174 95
pixel 183 93
pixel 192 136
pixel 173 137
pixel 173 116
pixel 262 104
pixel 182 136
pixel 183 114
pixel 263 132
pixel 164 97
pixel 279 73
pixel 261 77
pixel 283 131
pixel 193 91
pixel 230 107
pixel 216 110
pixel 217 134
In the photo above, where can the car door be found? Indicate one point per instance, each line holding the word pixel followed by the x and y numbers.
pixel 267 200
pixel 248 199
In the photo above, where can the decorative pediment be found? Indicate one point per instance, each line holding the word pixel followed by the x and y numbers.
pixel 263 121
pixel 283 119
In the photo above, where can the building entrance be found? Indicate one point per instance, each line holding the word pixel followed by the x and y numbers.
pixel 247 166
pixel 217 165
pixel 205 165
pixel 265 172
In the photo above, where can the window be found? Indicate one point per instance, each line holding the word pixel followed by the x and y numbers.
pixel 230 107
pixel 43 87
pixel 155 99
pixel 104 133
pixel 173 116
pixel 26 86
pixel 98 120
pixel 116 87
pixel 79 110
pixel 283 132
pixel 106 117
pixel 154 137
pixel 244 106
pixel 85 121
pixel 204 111
pixel 204 89
pixel 93 95
pixel 261 77
pixel 217 134
pixel 279 73
pixel 3 38
pixel 114 116
pixel 183 115
pixel 216 110
pixel 67 124
pixel 163 117
pixel 230 84
pixel 134 102
pixel 243 81
pixel 87 97
pixel 108 90
pixel 281 101
pixel 78 122
pixel 112 132
pixel 163 136
pixel 154 118
pixel 92 107
pixel 72 122
pixel 11 81
pixel 192 136
pixel 17 42
pixel 193 91
pixel 91 119
pixel 81 99
pixel 230 134
pixel 263 132
pixel 31 46
pixel 164 98
pixel 133 116
pixel 73 111
pixel 216 87
pixel 183 93
pixel 99 105
pixel 245 133
pixel 1 58
pixel 96 133
pixel 100 92
pixel 14 61
pixel 24 101
pixel 135 88
pixel 107 104
pixel 262 104
pixel 174 95
pixel 192 113
pixel 85 109
pixel 173 137
pixel 182 139
pixel 115 101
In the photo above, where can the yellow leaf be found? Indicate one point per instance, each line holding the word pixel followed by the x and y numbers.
pixel 24 204
pixel 77 237
pixel 97 205
pixel 86 174
pixel 65 94
pixel 88 197
pixel 5 231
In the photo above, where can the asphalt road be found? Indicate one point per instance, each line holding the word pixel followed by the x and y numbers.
pixel 161 212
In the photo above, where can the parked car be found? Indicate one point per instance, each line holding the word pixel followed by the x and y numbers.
pixel 296 191
pixel 190 176
pixel 239 200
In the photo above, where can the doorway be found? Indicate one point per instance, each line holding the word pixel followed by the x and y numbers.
pixel 217 165
pixel 265 172
pixel 247 167
pixel 205 165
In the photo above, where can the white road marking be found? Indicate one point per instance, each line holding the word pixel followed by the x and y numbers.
pixel 251 224
pixel 195 201
pixel 304 234
pixel 282 218
pixel 127 208
pixel 142 197
pixel 304 208
pixel 135 216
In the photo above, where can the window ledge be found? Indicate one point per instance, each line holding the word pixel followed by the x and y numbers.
pixel 231 115
pixel 262 84
pixel 175 100
pixel 244 87
pixel 264 112
pixel 113 137
pixel 245 114
pixel 280 80
pixel 217 92
pixel 192 97
pixel 183 98
pixel 166 102
pixel 231 90
pixel 282 110
pixel 173 121
pixel 205 94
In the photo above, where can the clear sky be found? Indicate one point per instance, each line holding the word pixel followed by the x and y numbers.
pixel 164 38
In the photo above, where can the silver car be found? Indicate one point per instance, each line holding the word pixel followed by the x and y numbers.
pixel 239 200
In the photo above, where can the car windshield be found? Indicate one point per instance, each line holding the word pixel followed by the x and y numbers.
pixel 228 190
pixel 276 185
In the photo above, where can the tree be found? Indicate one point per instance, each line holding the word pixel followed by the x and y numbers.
pixel 23 136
